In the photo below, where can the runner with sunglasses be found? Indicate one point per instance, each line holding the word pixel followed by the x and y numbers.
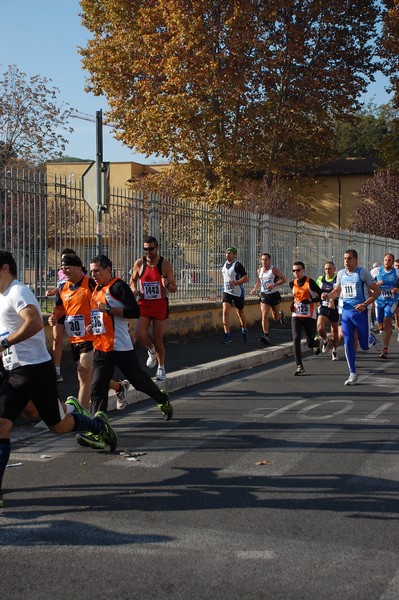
pixel 306 293
pixel 151 281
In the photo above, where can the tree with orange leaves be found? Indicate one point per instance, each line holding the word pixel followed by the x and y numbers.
pixel 235 89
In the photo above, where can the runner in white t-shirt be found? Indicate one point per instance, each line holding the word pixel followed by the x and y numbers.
pixel 29 371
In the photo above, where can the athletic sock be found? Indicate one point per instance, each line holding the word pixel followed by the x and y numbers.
pixel 83 423
pixel 4 457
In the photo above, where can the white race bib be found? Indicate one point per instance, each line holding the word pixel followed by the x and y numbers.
pixel 97 321
pixel 349 290
pixel 75 325
pixel 302 309
pixel 152 290
pixel 265 287
pixel 386 294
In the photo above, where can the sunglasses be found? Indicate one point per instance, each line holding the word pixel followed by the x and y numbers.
pixel 296 270
pixel 149 248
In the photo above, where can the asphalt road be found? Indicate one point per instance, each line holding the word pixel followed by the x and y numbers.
pixel 264 486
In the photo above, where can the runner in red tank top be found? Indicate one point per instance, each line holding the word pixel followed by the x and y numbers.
pixel 151 280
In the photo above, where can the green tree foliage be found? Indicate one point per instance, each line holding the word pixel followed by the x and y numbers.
pixel 235 89
pixel 30 118
pixel 372 131
pixel 378 210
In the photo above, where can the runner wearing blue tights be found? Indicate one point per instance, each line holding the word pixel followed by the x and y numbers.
pixel 358 290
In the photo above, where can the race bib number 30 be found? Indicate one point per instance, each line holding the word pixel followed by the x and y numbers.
pixel 152 290
pixel 75 325
pixel 97 321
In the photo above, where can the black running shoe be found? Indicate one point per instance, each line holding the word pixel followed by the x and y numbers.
pixel 265 340
pixel 108 435
pixel 166 408
pixel 299 371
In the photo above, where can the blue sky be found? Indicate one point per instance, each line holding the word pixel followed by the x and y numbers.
pixel 41 37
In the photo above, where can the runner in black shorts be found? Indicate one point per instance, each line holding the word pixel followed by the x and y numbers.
pixel 328 311
pixel 30 373
pixel 269 278
pixel 234 277
pixel 72 306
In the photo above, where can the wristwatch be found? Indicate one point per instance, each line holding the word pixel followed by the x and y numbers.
pixel 5 343
pixel 107 309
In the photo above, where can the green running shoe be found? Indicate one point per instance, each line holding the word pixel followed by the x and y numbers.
pixel 72 401
pixel 166 408
pixel 108 435
pixel 91 440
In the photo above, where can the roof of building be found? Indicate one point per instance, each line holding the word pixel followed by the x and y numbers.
pixel 351 166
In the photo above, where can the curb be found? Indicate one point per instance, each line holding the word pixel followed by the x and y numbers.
pixel 179 380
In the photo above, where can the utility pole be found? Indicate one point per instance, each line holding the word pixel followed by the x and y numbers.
pixel 102 191
pixel 99 166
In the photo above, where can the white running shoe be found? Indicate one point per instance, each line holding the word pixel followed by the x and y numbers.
pixel 161 375
pixel 121 396
pixel 334 355
pixel 152 358
pixel 325 345
pixel 374 343
pixel 352 379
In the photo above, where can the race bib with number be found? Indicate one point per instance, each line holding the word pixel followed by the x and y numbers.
pixel 265 287
pixel 97 321
pixel 8 360
pixel 349 290
pixel 75 325
pixel 302 309
pixel 152 290
pixel 386 294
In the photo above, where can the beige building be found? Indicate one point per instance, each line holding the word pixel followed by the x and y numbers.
pixel 331 189
pixel 120 172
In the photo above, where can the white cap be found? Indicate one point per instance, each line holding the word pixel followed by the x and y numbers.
pixel 376 264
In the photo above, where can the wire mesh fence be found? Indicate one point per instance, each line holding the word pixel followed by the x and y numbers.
pixel 39 218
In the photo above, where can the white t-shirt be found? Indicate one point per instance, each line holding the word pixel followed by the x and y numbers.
pixel 32 351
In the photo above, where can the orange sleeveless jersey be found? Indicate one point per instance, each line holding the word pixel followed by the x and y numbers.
pixel 110 332
pixel 302 292
pixel 77 307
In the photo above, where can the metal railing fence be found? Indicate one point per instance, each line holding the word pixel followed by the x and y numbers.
pixel 38 218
